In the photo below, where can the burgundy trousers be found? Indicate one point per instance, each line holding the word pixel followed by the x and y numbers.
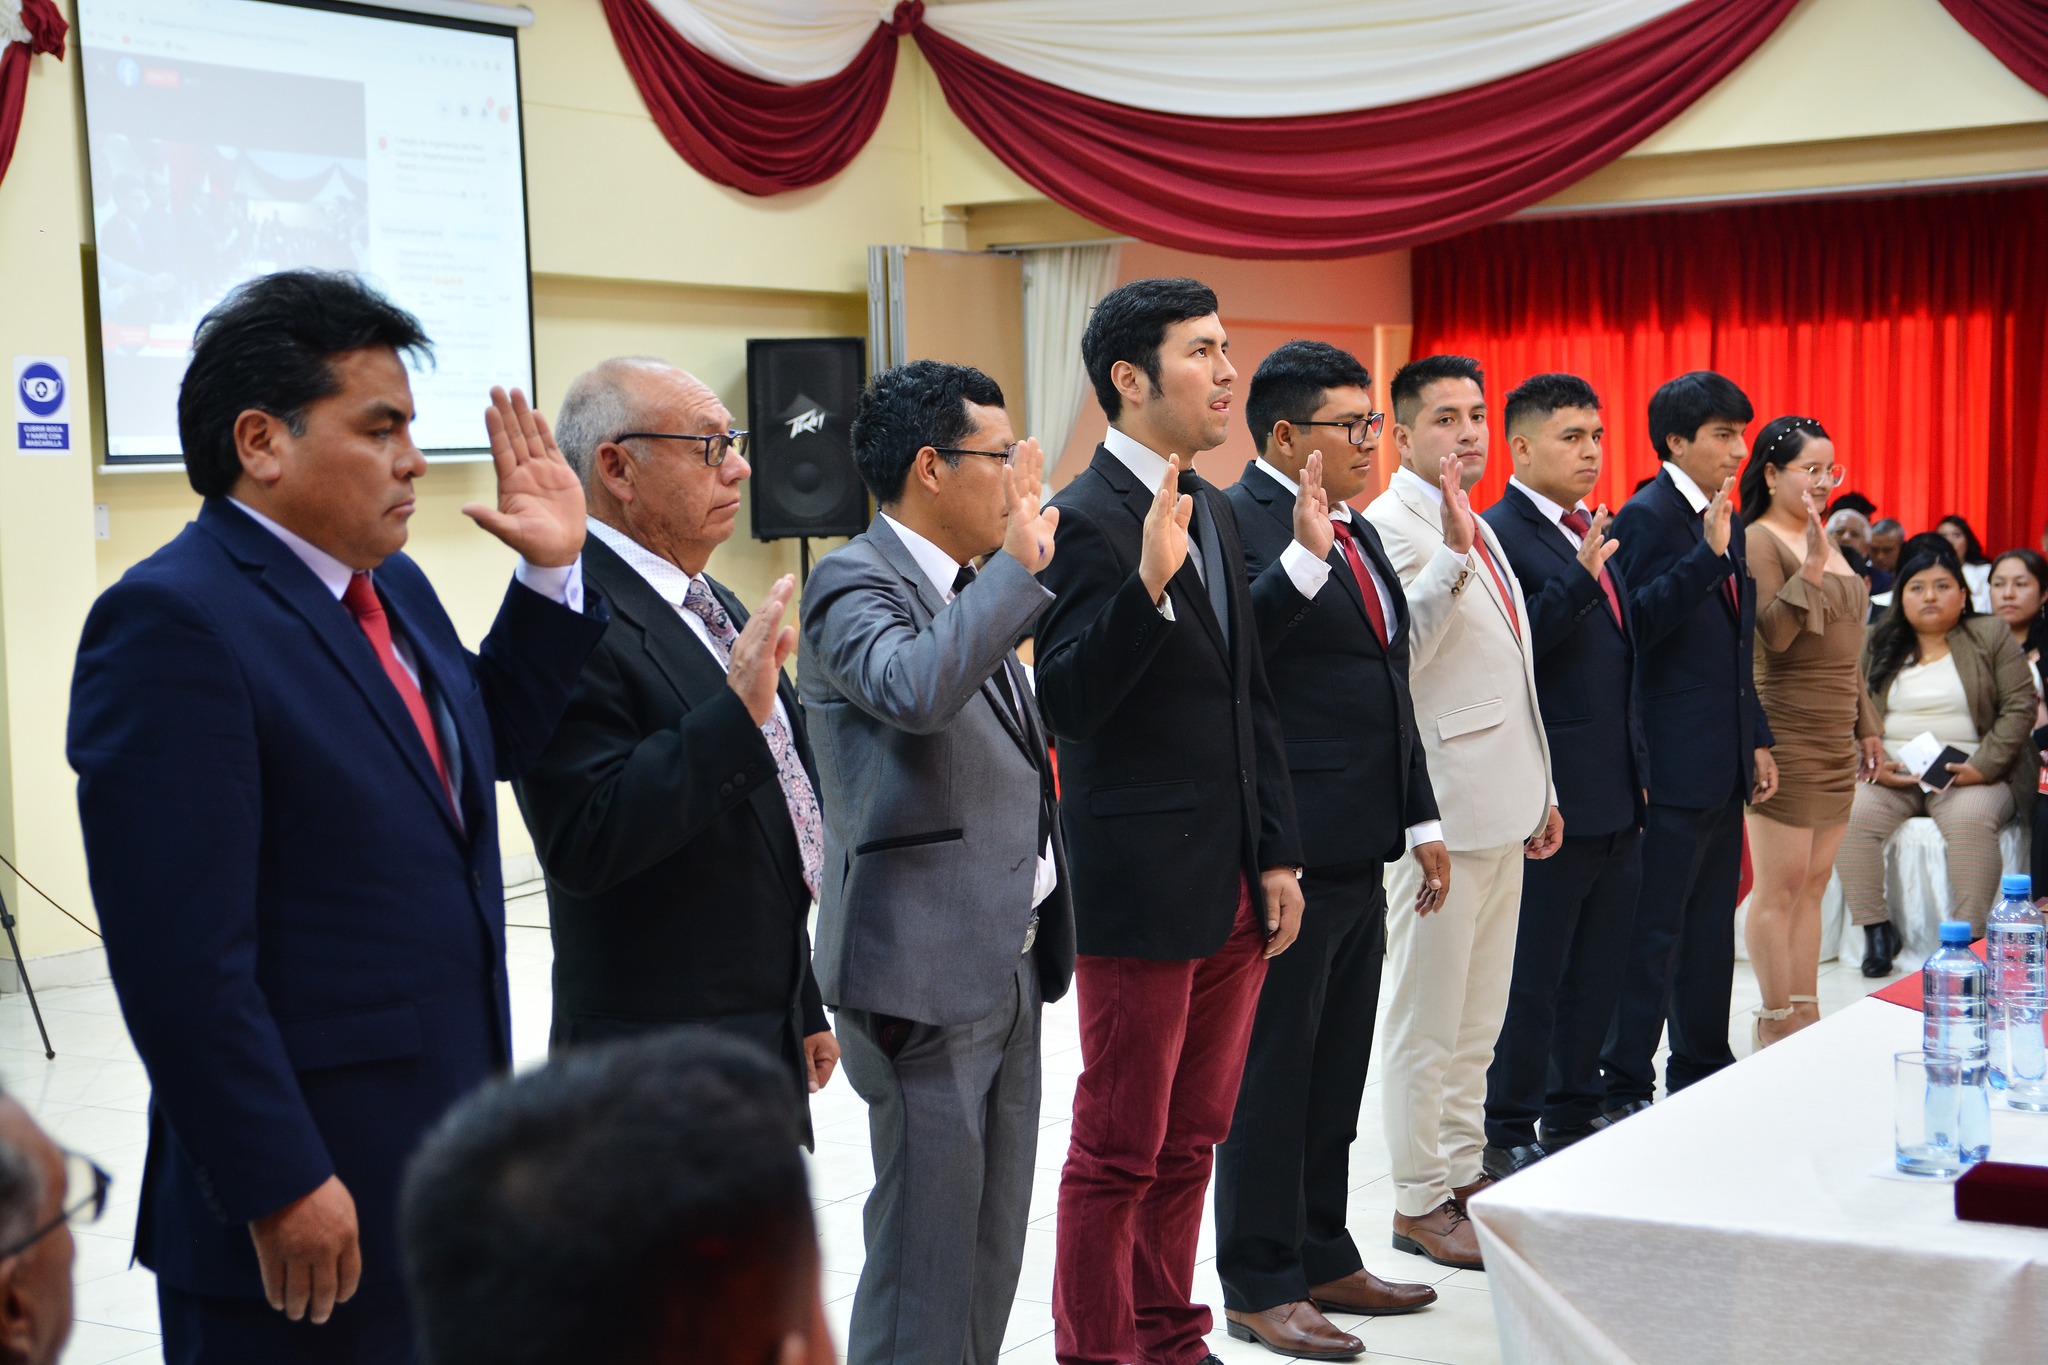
pixel 1162 1051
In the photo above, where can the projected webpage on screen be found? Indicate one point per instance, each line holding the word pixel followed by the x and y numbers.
pixel 231 138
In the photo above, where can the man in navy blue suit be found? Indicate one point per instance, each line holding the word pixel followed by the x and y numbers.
pixel 1693 614
pixel 285 762
pixel 1578 906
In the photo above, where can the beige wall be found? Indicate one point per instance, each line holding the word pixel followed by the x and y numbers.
pixel 634 252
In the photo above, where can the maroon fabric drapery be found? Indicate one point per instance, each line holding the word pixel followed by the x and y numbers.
pixel 1914 328
pixel 2016 32
pixel 46 29
pixel 749 133
pixel 1348 184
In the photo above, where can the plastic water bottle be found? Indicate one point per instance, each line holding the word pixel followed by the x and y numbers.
pixel 2016 936
pixel 1956 990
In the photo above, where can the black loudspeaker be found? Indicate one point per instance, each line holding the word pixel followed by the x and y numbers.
pixel 800 397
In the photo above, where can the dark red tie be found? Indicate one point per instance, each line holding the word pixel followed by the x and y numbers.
pixel 1507 599
pixel 362 603
pixel 1581 525
pixel 1366 587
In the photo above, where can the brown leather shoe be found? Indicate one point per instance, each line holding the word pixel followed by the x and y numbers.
pixel 1445 1235
pixel 1364 1292
pixel 1463 1193
pixel 1293 1329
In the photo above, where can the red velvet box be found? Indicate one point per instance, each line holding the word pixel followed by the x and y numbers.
pixel 2002 1192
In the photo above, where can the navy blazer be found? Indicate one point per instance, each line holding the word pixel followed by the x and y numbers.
pixel 1361 778
pixel 308 949
pixel 1695 684
pixel 1585 671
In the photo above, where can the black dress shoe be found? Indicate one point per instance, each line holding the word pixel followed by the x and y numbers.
pixel 1502 1162
pixel 1881 943
pixel 1616 1113
pixel 1555 1140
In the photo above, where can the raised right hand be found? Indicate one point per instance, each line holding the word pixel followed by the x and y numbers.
pixel 309 1253
pixel 1817 547
pixel 1720 517
pixel 761 650
pixel 1461 527
pixel 1027 531
pixel 1166 532
pixel 1596 549
pixel 1312 524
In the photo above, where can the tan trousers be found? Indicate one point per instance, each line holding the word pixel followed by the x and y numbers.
pixel 1447 981
pixel 1969 819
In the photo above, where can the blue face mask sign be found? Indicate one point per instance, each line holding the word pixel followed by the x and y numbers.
pixel 42 405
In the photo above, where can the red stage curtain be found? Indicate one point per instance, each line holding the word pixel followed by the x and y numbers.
pixel 2016 31
pixel 1348 184
pixel 1914 328
pixel 46 29
pixel 749 133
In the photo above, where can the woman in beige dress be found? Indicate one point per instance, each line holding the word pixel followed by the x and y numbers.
pixel 1809 643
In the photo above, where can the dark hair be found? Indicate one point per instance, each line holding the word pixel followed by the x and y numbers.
pixel 1130 324
pixel 1888 526
pixel 1290 383
pixel 1681 406
pixel 270 345
pixel 1891 643
pixel 568 1213
pixel 1536 397
pixel 1973 548
pixel 2036 564
pixel 912 406
pixel 1775 446
pixel 1411 379
pixel 1855 502
pixel 21 1190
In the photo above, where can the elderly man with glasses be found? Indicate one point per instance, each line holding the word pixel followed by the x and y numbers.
pixel 43 1191
pixel 676 811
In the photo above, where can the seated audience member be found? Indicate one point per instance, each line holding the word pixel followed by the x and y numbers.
pixel 1976 566
pixel 38 1201
pixel 1886 536
pixel 2019 595
pixel 640 1201
pixel 1849 529
pixel 1935 667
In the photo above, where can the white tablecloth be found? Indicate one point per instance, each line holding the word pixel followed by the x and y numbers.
pixel 1744 1220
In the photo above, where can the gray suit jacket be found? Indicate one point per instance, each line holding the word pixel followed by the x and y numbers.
pixel 930 792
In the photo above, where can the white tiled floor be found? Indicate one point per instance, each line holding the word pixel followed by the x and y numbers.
pixel 94 1098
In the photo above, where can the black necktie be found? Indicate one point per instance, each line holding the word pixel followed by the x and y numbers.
pixel 962 579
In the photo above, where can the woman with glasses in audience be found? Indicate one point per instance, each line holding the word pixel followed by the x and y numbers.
pixel 1935 667
pixel 1809 640
pixel 2019 596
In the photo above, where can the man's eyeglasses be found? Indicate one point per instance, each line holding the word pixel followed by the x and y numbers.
pixel 85 1200
pixel 1357 431
pixel 715 445
pixel 1006 454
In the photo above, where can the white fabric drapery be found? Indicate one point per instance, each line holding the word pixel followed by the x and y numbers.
pixel 1061 285
pixel 12 30
pixel 1213 58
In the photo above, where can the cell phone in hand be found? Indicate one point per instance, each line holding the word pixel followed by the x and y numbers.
pixel 1938 775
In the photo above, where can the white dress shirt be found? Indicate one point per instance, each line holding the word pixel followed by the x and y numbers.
pixel 1553 510
pixel 941 568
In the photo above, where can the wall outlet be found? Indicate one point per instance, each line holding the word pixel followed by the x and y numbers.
pixel 102 522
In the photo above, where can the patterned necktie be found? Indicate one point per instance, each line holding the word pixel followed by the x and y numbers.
pixel 1366 588
pixel 362 602
pixel 1581 526
pixel 796 784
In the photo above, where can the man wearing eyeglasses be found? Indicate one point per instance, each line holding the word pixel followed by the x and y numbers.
pixel 1333 623
pixel 43 1190
pixel 676 812
pixel 945 920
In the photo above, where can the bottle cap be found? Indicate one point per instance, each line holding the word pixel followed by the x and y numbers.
pixel 2016 885
pixel 1955 931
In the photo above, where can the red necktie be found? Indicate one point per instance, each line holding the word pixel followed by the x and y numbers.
pixel 361 601
pixel 1581 525
pixel 1507 599
pixel 1366 587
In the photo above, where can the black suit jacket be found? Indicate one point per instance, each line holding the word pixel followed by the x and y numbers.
pixel 1173 778
pixel 675 888
pixel 1360 775
pixel 1695 687
pixel 1585 671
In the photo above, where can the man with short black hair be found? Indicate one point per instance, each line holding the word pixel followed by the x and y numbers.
pixel 945 919
pixel 1886 536
pixel 1543 1089
pixel 635 1201
pixel 36 1247
pixel 1693 613
pixel 1179 822
pixel 286 766
pixel 1471 667
pixel 1333 624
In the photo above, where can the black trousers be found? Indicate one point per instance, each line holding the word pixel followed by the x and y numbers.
pixel 373 1328
pixel 1578 910
pixel 1681 957
pixel 1283 1174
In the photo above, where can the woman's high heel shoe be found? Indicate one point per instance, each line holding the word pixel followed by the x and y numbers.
pixel 1881 944
pixel 1756 1030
